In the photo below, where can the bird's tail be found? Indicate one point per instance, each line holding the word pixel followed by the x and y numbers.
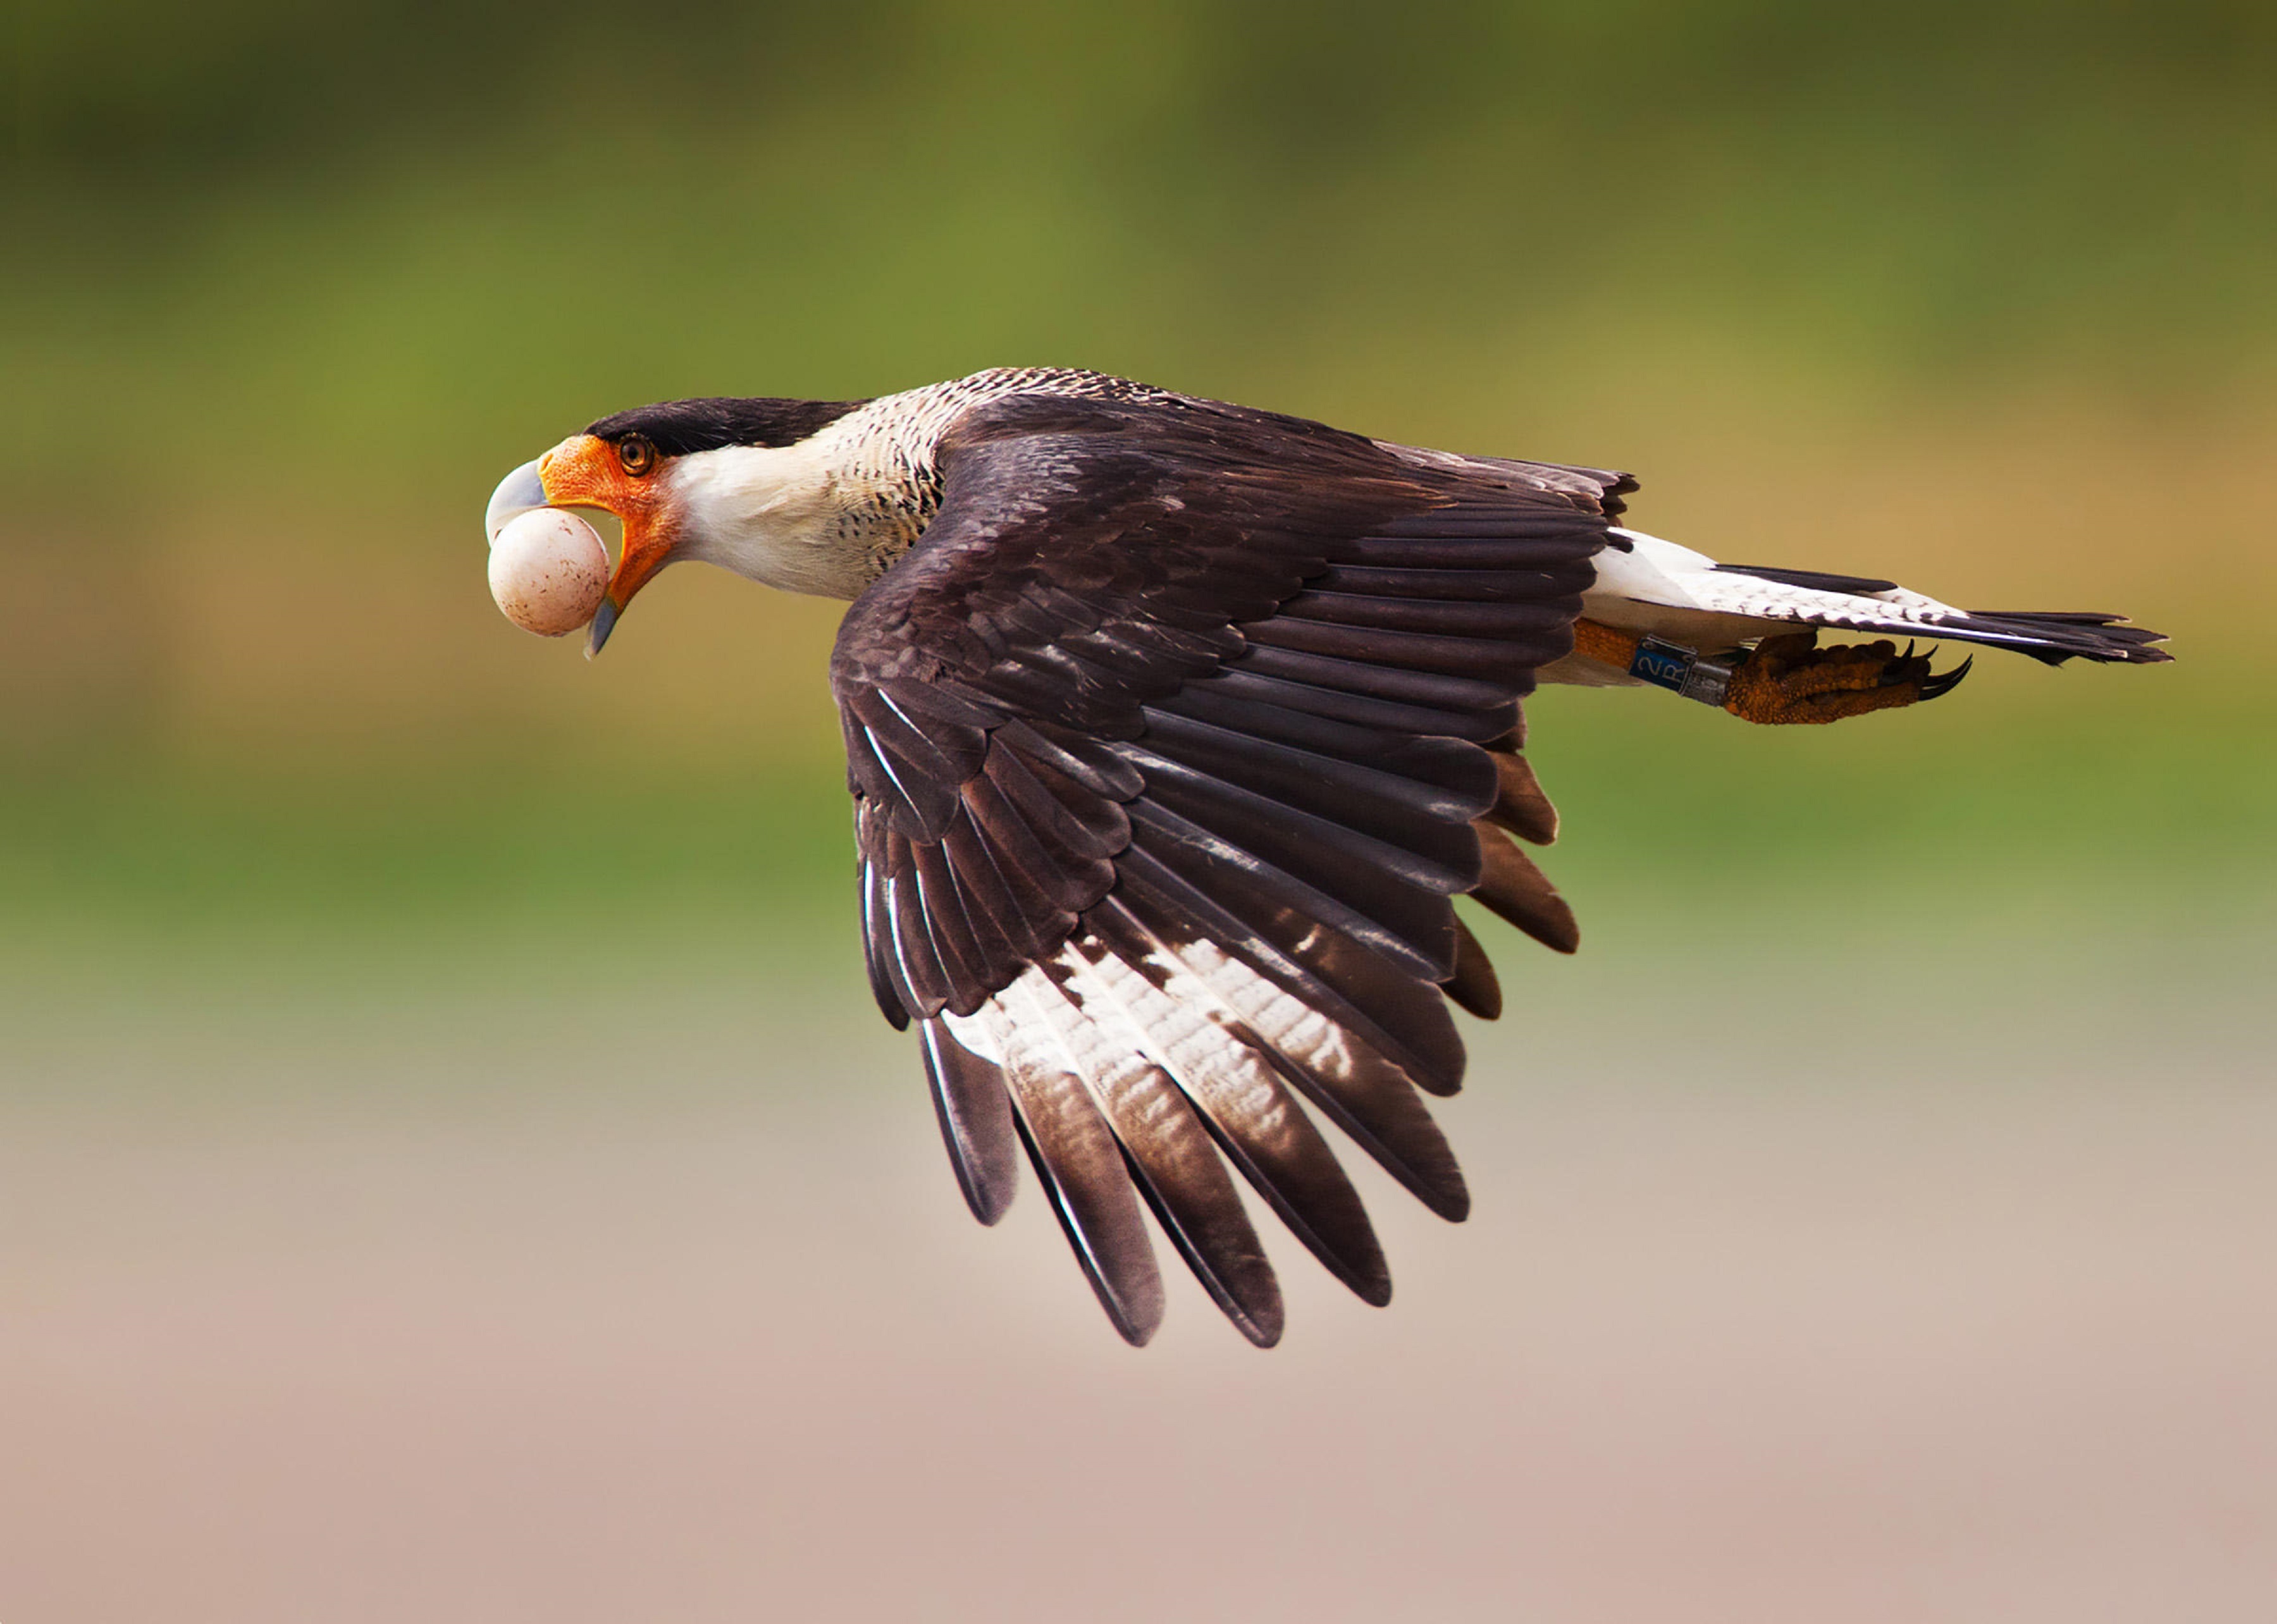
pixel 2057 636
pixel 1858 604
pixel 1660 588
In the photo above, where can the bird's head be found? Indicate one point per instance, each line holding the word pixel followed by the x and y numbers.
pixel 728 481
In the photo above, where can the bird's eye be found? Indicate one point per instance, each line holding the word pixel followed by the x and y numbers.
pixel 636 454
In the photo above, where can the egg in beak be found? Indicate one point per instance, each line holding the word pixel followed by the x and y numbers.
pixel 587 471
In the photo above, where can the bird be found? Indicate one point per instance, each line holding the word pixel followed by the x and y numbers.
pixel 1175 728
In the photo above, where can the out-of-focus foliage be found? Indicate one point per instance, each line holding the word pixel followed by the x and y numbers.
pixel 323 222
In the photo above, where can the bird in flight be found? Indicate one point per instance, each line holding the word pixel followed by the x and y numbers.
pixel 1174 730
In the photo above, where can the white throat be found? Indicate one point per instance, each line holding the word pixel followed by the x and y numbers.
pixel 830 515
pixel 793 517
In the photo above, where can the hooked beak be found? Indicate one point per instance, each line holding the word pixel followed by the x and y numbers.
pixel 519 492
pixel 584 471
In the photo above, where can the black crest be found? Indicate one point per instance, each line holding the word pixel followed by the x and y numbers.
pixel 677 426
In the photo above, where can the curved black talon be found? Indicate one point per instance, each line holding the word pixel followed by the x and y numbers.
pixel 1938 683
pixel 1898 670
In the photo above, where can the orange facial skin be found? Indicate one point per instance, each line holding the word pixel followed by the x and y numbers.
pixel 584 471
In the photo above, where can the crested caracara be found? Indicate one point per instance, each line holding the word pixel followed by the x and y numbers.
pixel 1174 729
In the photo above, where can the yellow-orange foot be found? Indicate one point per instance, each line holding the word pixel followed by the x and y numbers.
pixel 1789 680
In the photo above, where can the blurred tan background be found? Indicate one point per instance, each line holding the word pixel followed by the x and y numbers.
pixel 448 1167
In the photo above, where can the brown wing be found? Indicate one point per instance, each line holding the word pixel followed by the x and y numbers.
pixel 1167 743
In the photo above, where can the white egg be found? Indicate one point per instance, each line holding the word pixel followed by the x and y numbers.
pixel 548 570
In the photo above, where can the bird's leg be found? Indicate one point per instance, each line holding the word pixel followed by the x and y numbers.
pixel 1789 680
pixel 1664 665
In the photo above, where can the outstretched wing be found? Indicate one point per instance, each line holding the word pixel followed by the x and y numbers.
pixel 1172 742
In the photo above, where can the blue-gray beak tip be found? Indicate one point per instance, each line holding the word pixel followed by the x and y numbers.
pixel 605 621
pixel 518 493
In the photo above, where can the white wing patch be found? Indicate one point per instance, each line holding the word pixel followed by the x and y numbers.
pixel 1140 1065
pixel 1108 1015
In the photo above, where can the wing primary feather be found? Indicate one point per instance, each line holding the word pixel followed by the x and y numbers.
pixel 1364 1094
pixel 1473 985
pixel 1480 550
pixel 893 733
pixel 964 963
pixel 1374 800
pixel 1502 660
pixel 1207 702
pixel 1521 893
pixel 1427 689
pixel 1270 925
pixel 928 802
pixel 1248 684
pixel 1409 938
pixel 1519 804
pixel 1452 765
pixel 920 971
pixel 1060 831
pixel 1079 1162
pixel 876 943
pixel 1459 585
pixel 1083 759
pixel 1258 1124
pixel 975 1112
pixel 1482 525
pixel 1172 1158
pixel 1497 620
pixel 1038 882
pixel 1103 817
pixel 1424 861
pixel 1027 928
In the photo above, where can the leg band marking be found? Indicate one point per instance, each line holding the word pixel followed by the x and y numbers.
pixel 1685 672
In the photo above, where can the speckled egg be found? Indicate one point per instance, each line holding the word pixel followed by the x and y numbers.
pixel 548 570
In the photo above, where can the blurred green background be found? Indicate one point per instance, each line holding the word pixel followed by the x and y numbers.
pixel 1982 296
pixel 1979 296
